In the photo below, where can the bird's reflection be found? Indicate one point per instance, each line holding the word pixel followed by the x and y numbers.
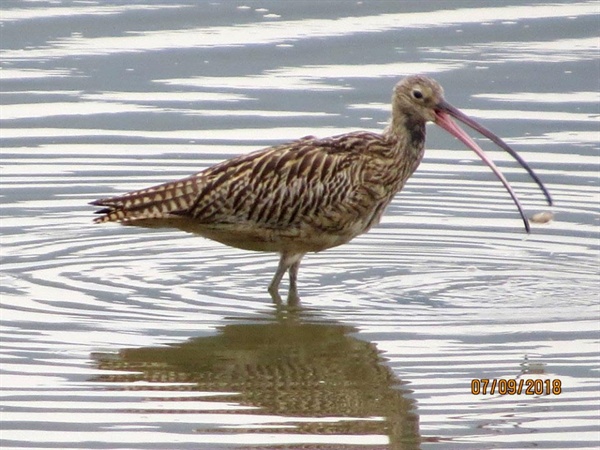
pixel 291 363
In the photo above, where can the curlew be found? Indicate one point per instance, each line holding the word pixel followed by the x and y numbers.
pixel 310 194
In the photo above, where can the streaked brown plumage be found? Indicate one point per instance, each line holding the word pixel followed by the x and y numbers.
pixel 307 195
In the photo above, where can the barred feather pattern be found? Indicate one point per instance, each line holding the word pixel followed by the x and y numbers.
pixel 306 195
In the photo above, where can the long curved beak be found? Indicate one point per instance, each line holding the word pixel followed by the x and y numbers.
pixel 444 110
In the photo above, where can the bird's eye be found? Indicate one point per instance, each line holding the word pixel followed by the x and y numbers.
pixel 417 94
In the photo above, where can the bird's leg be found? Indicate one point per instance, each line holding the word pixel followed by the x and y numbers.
pixel 287 262
pixel 274 286
pixel 293 298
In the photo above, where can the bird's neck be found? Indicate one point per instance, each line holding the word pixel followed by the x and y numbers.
pixel 407 133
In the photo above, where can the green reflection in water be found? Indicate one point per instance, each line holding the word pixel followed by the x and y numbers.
pixel 289 364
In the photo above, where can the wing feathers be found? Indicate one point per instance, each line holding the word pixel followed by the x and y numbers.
pixel 277 187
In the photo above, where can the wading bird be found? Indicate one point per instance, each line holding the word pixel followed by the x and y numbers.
pixel 310 194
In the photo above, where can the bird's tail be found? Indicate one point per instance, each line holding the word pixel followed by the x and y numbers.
pixel 162 201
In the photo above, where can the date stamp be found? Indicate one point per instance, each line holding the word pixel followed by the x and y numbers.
pixel 513 386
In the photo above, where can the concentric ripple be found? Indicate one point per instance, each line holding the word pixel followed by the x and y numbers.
pixel 120 337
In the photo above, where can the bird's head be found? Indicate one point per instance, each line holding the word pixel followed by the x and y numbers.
pixel 418 95
pixel 420 99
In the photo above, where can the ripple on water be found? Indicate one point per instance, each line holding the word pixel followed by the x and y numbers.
pixel 131 338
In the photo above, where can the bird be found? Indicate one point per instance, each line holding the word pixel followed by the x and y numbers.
pixel 310 194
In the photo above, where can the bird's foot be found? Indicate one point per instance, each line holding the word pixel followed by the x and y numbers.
pixel 292 298
pixel 274 292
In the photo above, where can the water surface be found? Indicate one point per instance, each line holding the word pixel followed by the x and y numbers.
pixel 118 337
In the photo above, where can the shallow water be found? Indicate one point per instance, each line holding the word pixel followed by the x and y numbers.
pixel 118 337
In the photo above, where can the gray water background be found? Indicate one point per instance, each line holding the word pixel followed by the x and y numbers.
pixel 117 337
